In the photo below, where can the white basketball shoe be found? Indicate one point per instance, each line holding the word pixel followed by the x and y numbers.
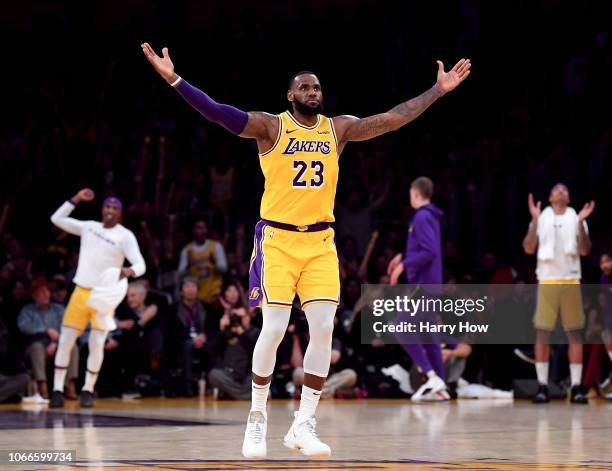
pixel 254 445
pixel 302 436
pixel 434 389
pixel 438 396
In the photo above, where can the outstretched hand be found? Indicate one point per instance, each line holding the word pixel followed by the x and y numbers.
pixel 534 209
pixel 448 81
pixel 586 211
pixel 163 65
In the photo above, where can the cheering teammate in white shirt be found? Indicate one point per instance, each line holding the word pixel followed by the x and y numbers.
pixel 104 245
pixel 559 236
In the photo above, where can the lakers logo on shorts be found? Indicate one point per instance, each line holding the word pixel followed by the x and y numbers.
pixel 254 293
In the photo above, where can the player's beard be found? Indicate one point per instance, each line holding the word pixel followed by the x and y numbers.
pixel 306 110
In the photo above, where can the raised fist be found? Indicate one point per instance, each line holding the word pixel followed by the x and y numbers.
pixel 85 194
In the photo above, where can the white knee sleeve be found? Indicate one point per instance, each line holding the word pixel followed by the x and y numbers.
pixel 96 350
pixel 275 322
pixel 68 337
pixel 321 327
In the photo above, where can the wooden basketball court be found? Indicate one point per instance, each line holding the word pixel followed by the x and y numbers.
pixel 171 434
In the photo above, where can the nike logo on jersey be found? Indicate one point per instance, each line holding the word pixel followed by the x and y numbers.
pixel 295 145
pixel 322 132
pixel 289 131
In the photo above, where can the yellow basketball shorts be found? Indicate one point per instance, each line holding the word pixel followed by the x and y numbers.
pixel 78 314
pixel 559 297
pixel 286 262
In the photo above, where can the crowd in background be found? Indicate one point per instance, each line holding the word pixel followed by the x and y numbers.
pixel 189 187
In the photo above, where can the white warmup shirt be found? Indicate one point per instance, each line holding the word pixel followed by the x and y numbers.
pixel 101 248
pixel 564 265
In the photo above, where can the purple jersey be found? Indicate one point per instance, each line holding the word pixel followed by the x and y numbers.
pixel 423 259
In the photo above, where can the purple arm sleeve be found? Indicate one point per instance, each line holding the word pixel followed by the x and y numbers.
pixel 232 119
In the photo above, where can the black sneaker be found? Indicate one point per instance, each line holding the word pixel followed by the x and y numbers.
pixel 87 399
pixel 57 400
pixel 577 395
pixel 541 397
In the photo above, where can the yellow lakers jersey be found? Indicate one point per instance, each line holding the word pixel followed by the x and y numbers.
pixel 201 265
pixel 301 173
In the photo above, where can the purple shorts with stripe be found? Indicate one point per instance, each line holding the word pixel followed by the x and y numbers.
pixel 256 267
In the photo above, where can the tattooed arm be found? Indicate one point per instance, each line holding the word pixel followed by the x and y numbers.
pixel 350 128
pixel 356 129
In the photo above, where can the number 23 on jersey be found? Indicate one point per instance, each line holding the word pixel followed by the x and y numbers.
pixel 301 172
pixel 299 181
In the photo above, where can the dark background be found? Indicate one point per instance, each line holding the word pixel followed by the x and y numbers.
pixel 79 101
pixel 534 111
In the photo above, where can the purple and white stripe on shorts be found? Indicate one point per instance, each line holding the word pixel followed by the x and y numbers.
pixel 257 281
pixel 256 268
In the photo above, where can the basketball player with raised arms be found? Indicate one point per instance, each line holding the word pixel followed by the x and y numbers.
pixel 294 250
pixel 104 247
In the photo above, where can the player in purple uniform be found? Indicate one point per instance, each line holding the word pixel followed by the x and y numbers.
pixel 423 265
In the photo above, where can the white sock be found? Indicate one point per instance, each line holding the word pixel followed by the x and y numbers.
pixel 68 337
pixel 431 374
pixel 59 376
pixel 308 404
pixel 575 373
pixel 259 397
pixel 90 381
pixel 542 372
